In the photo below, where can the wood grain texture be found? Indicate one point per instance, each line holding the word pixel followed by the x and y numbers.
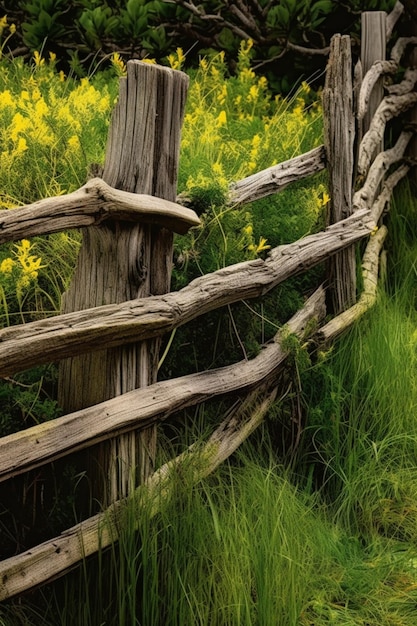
pixel 365 196
pixel 370 265
pixel 339 135
pixel 92 205
pixel 373 48
pixel 138 319
pixel 141 407
pixel 274 179
pixel 54 557
pixel 121 261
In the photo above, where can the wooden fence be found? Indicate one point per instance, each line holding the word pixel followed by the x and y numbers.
pixel 118 307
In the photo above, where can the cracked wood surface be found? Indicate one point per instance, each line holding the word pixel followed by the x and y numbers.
pixel 91 205
pixel 275 178
pixel 87 330
pixel 54 557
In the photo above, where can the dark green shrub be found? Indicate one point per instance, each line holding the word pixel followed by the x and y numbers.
pixel 290 37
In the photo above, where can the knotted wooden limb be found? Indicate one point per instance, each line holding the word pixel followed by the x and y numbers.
pixel 393 17
pixel 365 196
pixel 276 178
pixel 380 68
pixel 92 205
pixel 406 85
pixel 73 333
pixel 390 107
pixel 370 266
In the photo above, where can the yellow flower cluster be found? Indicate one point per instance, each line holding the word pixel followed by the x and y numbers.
pixel 48 130
pixel 176 61
pixel 22 268
pixel 4 27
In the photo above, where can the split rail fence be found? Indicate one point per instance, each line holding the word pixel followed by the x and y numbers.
pixel 118 306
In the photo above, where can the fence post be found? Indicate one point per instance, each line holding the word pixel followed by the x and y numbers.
pixel 373 48
pixel 339 134
pixel 412 147
pixel 123 261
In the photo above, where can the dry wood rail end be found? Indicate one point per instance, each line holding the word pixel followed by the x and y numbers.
pixel 91 205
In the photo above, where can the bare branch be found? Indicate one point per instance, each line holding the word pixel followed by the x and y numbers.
pixel 275 178
pixel 390 107
pixel 367 299
pixel 309 51
pixel 393 17
pixel 364 197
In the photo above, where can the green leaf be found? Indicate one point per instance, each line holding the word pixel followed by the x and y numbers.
pixel 278 17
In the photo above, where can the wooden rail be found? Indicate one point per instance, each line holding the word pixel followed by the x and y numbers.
pixel 356 214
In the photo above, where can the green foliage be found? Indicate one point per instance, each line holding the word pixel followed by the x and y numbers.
pixel 85 33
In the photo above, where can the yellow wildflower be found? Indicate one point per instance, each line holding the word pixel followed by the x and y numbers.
pixel 29 264
pixel 262 245
pixel 73 142
pixel 253 93
pixel 21 146
pixel 222 118
pixel 176 60
pixel 262 82
pixel 38 59
pixel 6 266
pixel 221 98
pixel 118 64
pixel 6 99
pixel 19 124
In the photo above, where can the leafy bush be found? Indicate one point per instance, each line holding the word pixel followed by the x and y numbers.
pixel 290 36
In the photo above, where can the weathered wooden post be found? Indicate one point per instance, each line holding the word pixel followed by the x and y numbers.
pixel 373 48
pixel 339 134
pixel 123 261
pixel 412 148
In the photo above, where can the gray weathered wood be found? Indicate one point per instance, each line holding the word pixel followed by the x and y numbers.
pixel 121 261
pixel 92 205
pixel 52 558
pixel 373 75
pixel 339 134
pixel 276 178
pixel 407 84
pixel 379 205
pixel 365 196
pixel 373 48
pixel 370 265
pixel 141 407
pixel 51 339
pixel 390 107
pixel 393 17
